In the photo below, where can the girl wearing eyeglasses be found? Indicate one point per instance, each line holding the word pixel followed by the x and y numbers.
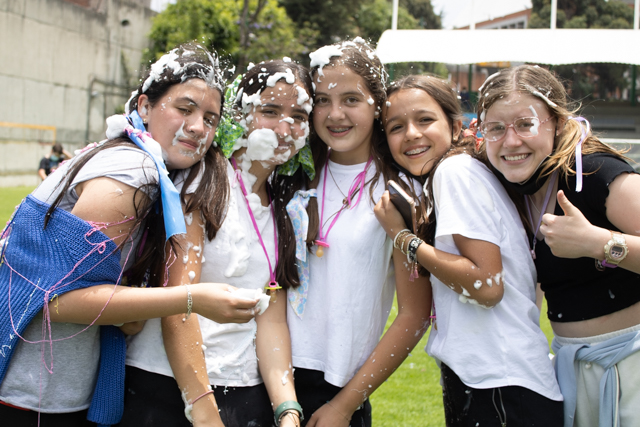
pixel 580 201
pixel 486 335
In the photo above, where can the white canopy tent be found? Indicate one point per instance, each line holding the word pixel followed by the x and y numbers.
pixel 553 47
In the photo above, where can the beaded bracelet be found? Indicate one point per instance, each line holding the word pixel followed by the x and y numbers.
pixel 395 240
pixel 406 239
pixel 189 301
pixel 284 407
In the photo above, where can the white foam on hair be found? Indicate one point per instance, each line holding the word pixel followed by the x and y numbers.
pixel 303 96
pixel 287 76
pixel 539 94
pixel 487 81
pixel 168 60
pixel 322 57
pixel 127 108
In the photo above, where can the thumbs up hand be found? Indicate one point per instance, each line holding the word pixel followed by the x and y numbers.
pixel 571 235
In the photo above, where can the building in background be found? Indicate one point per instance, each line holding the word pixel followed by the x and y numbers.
pixel 517 20
pixel 66 66
pixel 459 74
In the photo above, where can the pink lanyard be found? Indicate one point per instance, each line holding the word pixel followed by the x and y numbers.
pixel 272 285
pixel 357 185
pixel 547 197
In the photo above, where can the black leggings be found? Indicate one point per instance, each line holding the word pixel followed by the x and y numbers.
pixel 313 392
pixel 511 406
pixel 154 400
pixel 13 417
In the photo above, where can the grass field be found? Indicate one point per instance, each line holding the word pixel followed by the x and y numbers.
pixel 10 197
pixel 412 397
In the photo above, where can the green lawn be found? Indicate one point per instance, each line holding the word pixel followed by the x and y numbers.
pixel 10 197
pixel 412 397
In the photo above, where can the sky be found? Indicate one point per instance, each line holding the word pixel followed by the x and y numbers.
pixel 455 13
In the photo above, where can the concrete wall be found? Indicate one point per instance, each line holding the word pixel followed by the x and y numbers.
pixel 65 67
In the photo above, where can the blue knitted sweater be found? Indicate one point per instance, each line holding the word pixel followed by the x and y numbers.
pixel 46 258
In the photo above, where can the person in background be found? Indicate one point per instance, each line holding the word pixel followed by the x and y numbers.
pixel 50 162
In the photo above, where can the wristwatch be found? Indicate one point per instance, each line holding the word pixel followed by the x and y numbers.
pixel 615 250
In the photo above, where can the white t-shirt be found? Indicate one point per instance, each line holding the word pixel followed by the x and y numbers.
pixel 503 345
pixel 351 287
pixel 69 388
pixel 235 257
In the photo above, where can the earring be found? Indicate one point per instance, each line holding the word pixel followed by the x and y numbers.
pixel 144 121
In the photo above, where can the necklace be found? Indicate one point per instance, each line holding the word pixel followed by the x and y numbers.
pixel 547 197
pixel 272 286
pixel 345 200
pixel 356 187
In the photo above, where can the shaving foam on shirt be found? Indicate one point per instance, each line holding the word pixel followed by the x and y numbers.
pixel 251 294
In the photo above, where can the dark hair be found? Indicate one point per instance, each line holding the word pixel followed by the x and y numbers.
pixel 360 58
pixel 57 148
pixel 282 187
pixel 187 61
pixel 447 99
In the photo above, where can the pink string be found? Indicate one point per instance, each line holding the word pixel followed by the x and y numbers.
pixel 357 185
pixel 272 273
pixel 46 326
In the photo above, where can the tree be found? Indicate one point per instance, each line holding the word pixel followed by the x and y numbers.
pixel 422 11
pixel 334 20
pixel 374 17
pixel 331 20
pixel 587 80
pixel 245 30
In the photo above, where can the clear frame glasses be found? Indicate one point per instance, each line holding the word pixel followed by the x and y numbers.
pixel 525 127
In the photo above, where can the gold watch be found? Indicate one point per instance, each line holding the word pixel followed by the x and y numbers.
pixel 615 250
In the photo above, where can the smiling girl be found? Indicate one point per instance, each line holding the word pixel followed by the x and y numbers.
pixel 249 365
pixel 337 317
pixel 581 199
pixel 67 244
pixel 486 336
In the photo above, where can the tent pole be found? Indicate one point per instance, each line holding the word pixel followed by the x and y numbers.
pixel 633 96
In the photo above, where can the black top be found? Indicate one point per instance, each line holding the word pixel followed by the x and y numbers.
pixel 48 164
pixel 574 288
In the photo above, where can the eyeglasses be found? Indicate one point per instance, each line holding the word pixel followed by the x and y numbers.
pixel 526 127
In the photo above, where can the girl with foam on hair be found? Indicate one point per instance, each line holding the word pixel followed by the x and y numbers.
pixel 486 335
pixel 580 200
pixel 67 244
pixel 249 365
pixel 337 315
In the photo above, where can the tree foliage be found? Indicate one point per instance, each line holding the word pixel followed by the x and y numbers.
pixel 256 30
pixel 587 80
pixel 245 30
pixel 334 20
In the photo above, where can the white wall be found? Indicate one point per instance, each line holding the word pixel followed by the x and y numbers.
pixel 65 66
